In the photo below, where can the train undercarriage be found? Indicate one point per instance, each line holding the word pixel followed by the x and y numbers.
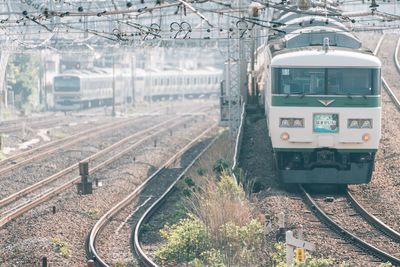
pixel 328 166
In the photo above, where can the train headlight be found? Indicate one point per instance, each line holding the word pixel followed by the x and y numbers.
pixel 365 137
pixel 285 136
pixel 359 123
pixel 291 123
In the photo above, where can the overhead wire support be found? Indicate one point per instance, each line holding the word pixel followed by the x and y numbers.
pixel 195 11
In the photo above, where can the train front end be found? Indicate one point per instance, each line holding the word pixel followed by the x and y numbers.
pixel 67 95
pixel 324 115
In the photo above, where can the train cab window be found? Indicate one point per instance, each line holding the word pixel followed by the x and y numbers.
pixel 353 81
pixel 300 81
pixel 327 81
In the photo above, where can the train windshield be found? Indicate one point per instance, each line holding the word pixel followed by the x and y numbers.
pixel 66 84
pixel 326 81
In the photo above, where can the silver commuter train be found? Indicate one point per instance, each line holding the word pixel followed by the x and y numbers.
pixel 79 89
pixel 322 97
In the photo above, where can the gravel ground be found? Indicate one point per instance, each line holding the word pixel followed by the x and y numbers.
pixel 26 240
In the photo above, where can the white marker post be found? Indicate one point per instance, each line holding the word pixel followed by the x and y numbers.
pixel 292 243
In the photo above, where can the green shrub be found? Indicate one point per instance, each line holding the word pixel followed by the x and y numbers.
pixel 220 165
pixel 210 258
pixel 189 181
pixel 201 171
pixel 61 246
pixel 186 241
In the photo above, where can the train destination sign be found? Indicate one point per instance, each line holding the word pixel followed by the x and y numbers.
pixel 326 123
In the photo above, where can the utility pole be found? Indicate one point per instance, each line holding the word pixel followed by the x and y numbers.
pixel 113 87
pixel 133 67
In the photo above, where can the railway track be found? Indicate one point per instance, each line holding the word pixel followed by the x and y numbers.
pixel 390 84
pixel 375 237
pixel 157 186
pixel 332 218
pixel 23 158
pixel 45 188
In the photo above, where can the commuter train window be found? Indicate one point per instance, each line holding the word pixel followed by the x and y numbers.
pixel 66 83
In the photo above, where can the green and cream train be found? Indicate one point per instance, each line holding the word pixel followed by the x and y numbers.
pixel 322 95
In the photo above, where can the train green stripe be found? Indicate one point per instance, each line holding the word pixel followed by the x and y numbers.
pixel 312 149
pixel 313 101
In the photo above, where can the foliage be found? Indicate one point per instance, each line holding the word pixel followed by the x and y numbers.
pixel 186 241
pixel 386 264
pixel 23 77
pixel 61 246
pixel 279 258
pixel 201 171
pixel 93 212
pixel 209 258
pixel 189 182
pixel 220 166
pixel 119 264
pixel 240 245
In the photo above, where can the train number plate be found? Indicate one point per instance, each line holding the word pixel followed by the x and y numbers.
pixel 326 123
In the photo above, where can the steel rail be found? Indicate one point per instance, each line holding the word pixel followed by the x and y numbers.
pixel 57 144
pixel 92 131
pixel 372 220
pixel 144 258
pixel 18 212
pixel 29 189
pixel 391 94
pixel 101 223
pixel 32 124
pixel 386 86
pixel 346 235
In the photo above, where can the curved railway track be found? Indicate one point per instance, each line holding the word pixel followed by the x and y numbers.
pixel 106 156
pixel 393 237
pixel 159 183
pixel 350 236
pixel 394 95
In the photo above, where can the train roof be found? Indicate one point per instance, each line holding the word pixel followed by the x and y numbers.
pixel 333 57
pixel 293 29
pixel 139 72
